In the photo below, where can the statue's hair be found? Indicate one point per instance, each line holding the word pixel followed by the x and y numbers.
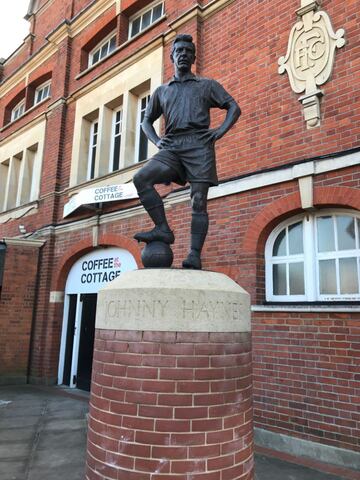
pixel 182 37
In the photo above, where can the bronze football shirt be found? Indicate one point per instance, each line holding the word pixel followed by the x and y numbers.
pixel 186 104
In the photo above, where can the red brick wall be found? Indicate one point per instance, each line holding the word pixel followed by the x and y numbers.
pixel 167 404
pixel 306 375
pixel 16 311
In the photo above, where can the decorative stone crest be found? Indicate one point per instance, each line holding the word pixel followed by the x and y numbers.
pixel 310 57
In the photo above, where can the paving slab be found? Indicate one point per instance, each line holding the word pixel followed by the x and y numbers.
pixel 12 469
pixel 12 450
pixel 267 468
pixel 22 421
pixel 61 440
pixel 66 472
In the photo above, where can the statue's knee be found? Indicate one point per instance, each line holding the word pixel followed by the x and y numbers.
pixel 198 202
pixel 139 180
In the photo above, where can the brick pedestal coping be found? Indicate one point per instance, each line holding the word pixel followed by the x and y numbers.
pixel 173 404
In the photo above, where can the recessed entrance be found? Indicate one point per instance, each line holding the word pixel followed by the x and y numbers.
pixel 86 277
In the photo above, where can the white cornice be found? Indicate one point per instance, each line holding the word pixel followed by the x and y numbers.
pixel 24 242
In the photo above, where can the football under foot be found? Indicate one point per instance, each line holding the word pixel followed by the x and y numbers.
pixel 155 235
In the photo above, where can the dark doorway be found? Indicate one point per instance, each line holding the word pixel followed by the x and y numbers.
pixel 86 345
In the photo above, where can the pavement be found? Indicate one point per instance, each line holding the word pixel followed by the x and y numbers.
pixel 43 437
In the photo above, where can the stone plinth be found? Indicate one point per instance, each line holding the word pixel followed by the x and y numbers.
pixel 171 396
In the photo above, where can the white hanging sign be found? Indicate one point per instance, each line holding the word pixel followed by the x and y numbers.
pixel 107 193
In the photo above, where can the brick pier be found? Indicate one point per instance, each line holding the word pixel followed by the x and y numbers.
pixel 173 404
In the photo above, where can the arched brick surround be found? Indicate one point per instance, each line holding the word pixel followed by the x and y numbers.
pixel 272 214
pixel 85 246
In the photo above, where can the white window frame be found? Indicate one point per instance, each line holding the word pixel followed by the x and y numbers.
pixel 114 135
pixel 142 13
pixel 311 259
pixel 19 178
pixel 18 111
pixel 44 90
pixel 93 145
pixel 138 124
pixel 99 47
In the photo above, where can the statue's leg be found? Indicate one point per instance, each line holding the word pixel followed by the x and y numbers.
pixel 199 224
pixel 151 174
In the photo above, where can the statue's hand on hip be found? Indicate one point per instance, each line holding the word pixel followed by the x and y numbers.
pixel 211 136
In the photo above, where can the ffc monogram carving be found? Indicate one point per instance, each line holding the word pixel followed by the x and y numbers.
pixel 310 48
pixel 310 57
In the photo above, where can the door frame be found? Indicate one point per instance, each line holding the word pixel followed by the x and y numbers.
pixel 63 346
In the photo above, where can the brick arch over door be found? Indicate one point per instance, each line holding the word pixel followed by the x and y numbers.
pixel 83 247
pixel 264 222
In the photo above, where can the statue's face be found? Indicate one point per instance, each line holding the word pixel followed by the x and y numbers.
pixel 183 56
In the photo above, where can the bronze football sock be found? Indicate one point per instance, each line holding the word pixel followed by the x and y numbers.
pixel 153 204
pixel 199 229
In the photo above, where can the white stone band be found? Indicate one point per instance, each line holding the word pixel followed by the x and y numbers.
pixel 173 300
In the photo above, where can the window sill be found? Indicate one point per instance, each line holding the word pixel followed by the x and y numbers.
pixel 119 48
pixel 19 212
pixel 309 308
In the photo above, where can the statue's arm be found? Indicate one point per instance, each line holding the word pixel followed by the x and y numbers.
pixel 152 113
pixel 149 131
pixel 220 98
pixel 232 114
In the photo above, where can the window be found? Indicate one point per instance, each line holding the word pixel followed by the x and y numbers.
pixel 102 49
pixel 116 140
pixel 92 149
pixel 42 92
pixel 18 110
pixel 145 18
pixel 141 149
pixel 315 258
pixel 19 179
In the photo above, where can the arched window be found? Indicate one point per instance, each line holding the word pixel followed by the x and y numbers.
pixel 314 257
pixel 102 49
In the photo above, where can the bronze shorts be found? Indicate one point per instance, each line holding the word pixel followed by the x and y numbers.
pixel 192 160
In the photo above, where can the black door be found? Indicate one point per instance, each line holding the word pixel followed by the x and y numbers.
pixel 86 345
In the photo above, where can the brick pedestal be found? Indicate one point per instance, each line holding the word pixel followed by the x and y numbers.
pixel 174 403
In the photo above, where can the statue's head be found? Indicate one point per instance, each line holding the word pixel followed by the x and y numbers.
pixel 183 52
